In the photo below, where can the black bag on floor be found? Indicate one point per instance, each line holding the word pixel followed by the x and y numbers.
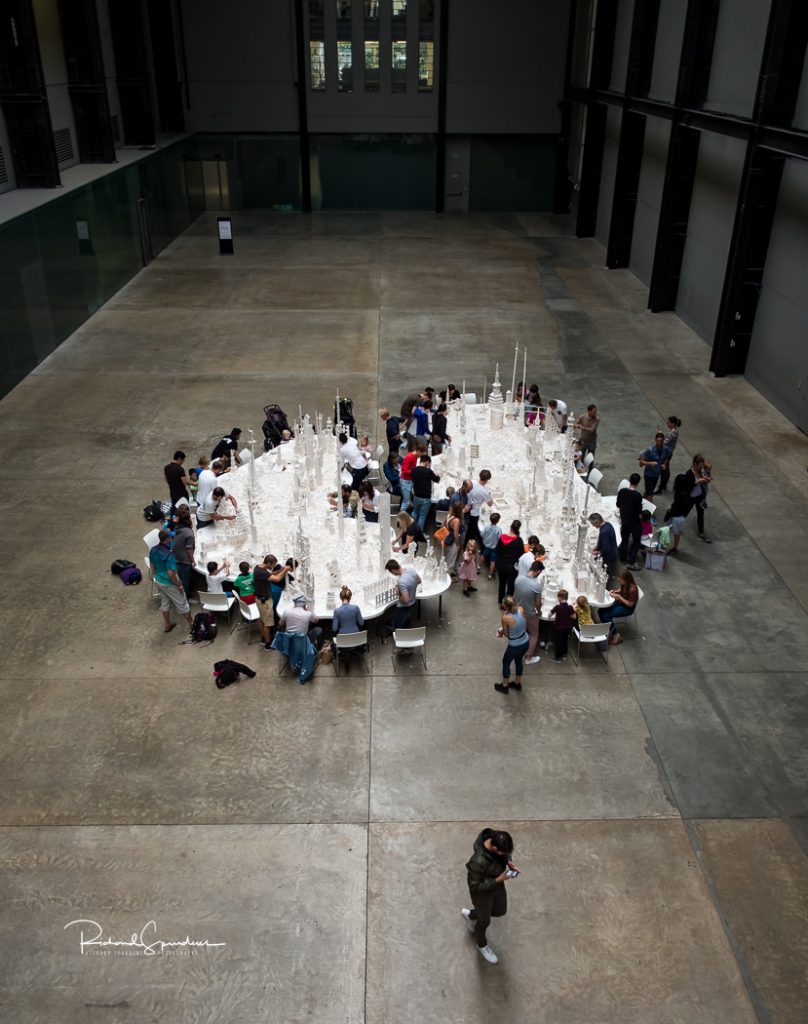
pixel 203 628
pixel 227 671
pixel 119 565
pixel 153 513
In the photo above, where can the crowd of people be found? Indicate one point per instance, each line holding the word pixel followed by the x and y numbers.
pixel 494 550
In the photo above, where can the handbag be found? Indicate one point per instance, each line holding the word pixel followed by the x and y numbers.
pixel 442 533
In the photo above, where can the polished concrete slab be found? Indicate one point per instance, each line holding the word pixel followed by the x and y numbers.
pixel 630 778
pixel 761 876
pixel 283 945
pixel 608 921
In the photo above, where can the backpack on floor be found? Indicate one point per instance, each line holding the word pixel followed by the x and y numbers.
pixel 119 565
pixel 131 576
pixel 203 628
pixel 153 513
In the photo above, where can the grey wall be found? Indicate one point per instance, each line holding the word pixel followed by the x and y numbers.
pixel 649 197
pixel 240 66
pixel 739 39
pixel 668 48
pixel 778 357
pixel 506 66
pixel 712 213
pixel 54 70
pixel 622 40
pixel 613 120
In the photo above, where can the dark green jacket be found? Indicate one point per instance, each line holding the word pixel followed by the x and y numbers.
pixel 484 866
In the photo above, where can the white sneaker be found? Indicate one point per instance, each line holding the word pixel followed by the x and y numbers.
pixel 467 916
pixel 488 954
pixel 534 660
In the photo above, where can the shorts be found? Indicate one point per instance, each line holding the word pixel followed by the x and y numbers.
pixel 171 595
pixel 677 525
pixel 266 610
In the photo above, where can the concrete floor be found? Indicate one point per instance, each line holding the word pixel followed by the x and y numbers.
pixel 658 798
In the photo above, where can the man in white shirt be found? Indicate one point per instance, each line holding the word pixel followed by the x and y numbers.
pixel 558 411
pixel 478 496
pixel 299 621
pixel 354 459
pixel 214 508
pixel 207 479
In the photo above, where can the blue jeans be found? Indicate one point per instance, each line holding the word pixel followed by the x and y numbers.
pixel 617 611
pixel 402 615
pixel 420 509
pixel 406 494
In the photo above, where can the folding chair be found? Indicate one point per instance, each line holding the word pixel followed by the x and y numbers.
pixel 345 642
pixel 409 640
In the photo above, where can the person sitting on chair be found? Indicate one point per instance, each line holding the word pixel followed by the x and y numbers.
pixel 299 621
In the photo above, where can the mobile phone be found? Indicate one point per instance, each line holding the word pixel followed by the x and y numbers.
pixel 512 874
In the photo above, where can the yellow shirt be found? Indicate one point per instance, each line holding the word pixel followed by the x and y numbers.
pixel 584 615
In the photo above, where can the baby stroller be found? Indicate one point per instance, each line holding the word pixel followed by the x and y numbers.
pixel 273 426
pixel 345 415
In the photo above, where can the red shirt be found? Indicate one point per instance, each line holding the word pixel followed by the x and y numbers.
pixel 409 462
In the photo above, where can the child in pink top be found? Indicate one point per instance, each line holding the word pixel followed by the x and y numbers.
pixel 468 570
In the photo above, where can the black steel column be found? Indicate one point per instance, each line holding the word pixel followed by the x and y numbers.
pixel 304 144
pixel 695 62
pixel 595 133
pixel 626 185
pixel 87 82
pixel 696 59
pixel 775 101
pixel 674 210
pixel 440 141
pixel 754 217
pixel 24 100
pixel 591 167
pixel 167 76
pixel 131 45
pixel 632 134
pixel 562 189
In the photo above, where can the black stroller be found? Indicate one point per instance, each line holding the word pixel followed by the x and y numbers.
pixel 345 415
pixel 273 426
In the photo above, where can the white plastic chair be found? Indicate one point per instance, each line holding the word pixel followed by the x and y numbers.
pixel 648 506
pixel 216 602
pixel 594 478
pixel 589 458
pixel 623 484
pixel 597 633
pixel 152 539
pixel 154 591
pixel 440 516
pixel 470 398
pixel 409 640
pixel 344 642
pixel 249 616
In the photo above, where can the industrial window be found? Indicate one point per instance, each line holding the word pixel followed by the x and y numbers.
pixel 344 67
pixel 399 9
pixel 426 66
pixel 372 10
pixel 371 66
pixel 398 81
pixel 317 57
